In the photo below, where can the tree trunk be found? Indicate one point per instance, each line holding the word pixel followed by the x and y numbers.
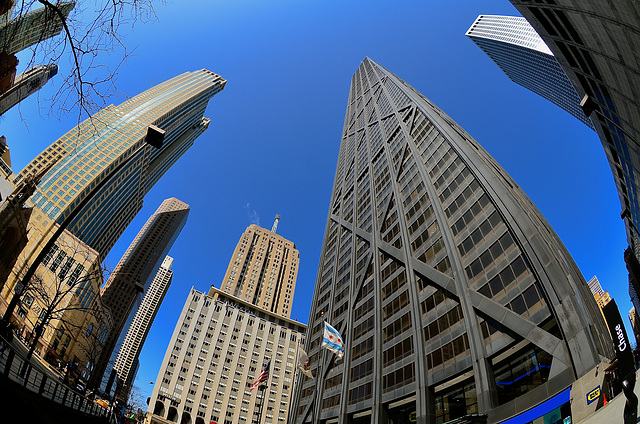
pixel 36 335
pixel 12 306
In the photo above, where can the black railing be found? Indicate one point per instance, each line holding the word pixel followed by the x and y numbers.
pixel 15 367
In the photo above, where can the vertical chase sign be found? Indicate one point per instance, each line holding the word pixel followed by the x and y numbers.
pixel 619 337
pixel 626 365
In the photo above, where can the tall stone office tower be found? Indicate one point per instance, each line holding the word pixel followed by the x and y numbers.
pixel 126 364
pixel 451 291
pixel 225 338
pixel 133 276
pixel 513 44
pixel 263 270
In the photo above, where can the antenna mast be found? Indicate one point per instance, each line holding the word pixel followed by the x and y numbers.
pixel 275 224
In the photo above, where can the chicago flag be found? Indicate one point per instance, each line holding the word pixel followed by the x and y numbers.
pixel 333 340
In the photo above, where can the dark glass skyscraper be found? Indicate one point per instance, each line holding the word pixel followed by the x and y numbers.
pixel 596 44
pixel 453 294
pixel 513 44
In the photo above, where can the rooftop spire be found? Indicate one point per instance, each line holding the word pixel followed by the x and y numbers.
pixel 275 224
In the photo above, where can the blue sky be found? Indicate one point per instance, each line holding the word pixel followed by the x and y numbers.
pixel 273 142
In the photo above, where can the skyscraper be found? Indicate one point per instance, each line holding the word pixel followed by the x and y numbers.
pixel 263 270
pixel 595 43
pixel 26 84
pixel 96 175
pixel 513 44
pixel 218 348
pixel 86 155
pixel 21 33
pixel 126 362
pixel 31 28
pixel 451 291
pixel 595 287
pixel 133 276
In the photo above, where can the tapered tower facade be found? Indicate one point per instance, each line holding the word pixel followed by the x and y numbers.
pixel 133 276
pixel 513 44
pixel 452 293
pixel 126 364
pixel 85 156
pixel 263 270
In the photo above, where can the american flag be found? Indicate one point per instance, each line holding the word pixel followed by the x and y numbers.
pixel 264 376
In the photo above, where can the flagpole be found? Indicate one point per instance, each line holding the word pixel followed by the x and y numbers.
pixel 295 377
pixel 264 390
pixel 319 379
pixel 261 388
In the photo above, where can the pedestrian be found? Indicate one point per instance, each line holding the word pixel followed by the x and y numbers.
pixel 6 336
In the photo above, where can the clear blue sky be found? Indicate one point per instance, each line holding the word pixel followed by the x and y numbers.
pixel 273 142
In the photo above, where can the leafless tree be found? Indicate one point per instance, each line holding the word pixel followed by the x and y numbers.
pixel 65 291
pixel 136 403
pixel 92 32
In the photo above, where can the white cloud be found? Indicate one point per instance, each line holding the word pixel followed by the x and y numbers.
pixel 253 216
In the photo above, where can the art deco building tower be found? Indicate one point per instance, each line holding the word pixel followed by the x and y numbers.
pixel 513 44
pixel 452 293
pixel 263 270
pixel 133 276
pixel 126 363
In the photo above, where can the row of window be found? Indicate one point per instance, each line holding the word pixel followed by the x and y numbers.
pixel 449 352
pixel 483 263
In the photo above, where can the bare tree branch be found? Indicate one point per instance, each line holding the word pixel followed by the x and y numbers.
pixel 92 36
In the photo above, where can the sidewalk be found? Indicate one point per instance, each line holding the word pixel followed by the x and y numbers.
pixel 36 360
pixel 613 412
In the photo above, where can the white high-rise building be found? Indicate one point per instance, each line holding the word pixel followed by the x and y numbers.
pixel 513 44
pixel 218 349
pixel 127 359
pixel 595 287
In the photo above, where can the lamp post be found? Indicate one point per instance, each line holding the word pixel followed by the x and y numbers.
pixel 155 138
